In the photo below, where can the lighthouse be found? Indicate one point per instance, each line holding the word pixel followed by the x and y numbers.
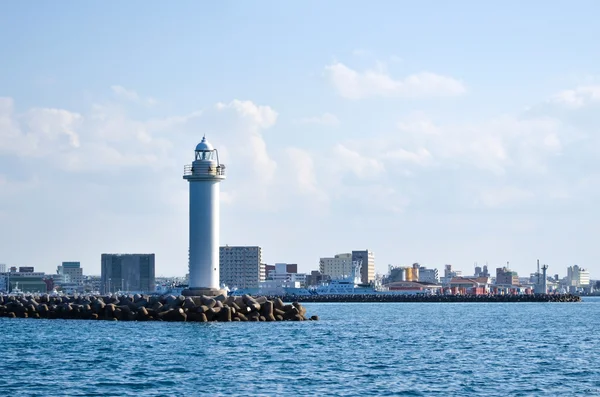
pixel 204 176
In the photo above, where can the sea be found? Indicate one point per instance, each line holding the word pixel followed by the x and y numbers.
pixel 355 349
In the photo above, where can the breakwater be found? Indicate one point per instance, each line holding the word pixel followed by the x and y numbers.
pixel 374 298
pixel 152 308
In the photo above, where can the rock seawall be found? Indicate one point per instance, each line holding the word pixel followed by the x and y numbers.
pixel 152 308
pixel 432 298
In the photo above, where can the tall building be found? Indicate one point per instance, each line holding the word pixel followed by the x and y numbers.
pixel 505 276
pixel 577 276
pixel 71 272
pixel 127 272
pixel 2 268
pixel 367 271
pixel 241 266
pixel 340 266
pixel 204 175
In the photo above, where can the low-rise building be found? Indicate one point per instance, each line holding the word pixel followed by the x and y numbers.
pixel 429 275
pixel 316 278
pixel 279 275
pixel 31 282
pixel 413 287
pixel 505 276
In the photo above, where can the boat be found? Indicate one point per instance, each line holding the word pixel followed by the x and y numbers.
pixel 16 291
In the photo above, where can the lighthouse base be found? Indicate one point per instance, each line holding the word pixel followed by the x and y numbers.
pixel 203 291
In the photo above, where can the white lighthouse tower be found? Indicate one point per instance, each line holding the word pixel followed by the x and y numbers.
pixel 204 175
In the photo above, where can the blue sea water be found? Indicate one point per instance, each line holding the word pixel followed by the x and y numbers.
pixel 356 349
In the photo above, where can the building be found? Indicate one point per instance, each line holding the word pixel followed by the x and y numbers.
pixel 241 266
pixel 469 285
pixel 31 282
pixel 340 266
pixel 367 271
pixel 286 273
pixel 505 276
pixel 92 284
pixel 289 268
pixel 72 272
pixel 2 268
pixel 449 274
pixel 127 272
pixel 429 275
pixel 281 277
pixel 396 273
pixel 577 277
pixel 316 278
pixel 486 272
pixel 413 287
pixel 204 175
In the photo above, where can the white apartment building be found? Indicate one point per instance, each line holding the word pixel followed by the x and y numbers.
pixel 2 268
pixel 72 272
pixel 340 266
pixel 577 277
pixel 241 266
pixel 281 277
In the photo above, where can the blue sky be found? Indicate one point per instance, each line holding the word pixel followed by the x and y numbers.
pixel 440 133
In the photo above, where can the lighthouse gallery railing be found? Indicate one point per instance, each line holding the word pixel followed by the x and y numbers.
pixel 200 170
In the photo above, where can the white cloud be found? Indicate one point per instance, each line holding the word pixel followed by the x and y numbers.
pixel 305 173
pixel 262 116
pixel 53 123
pixel 494 145
pixel 420 157
pixel 326 119
pixel 360 165
pixel 577 97
pixel 40 132
pixel 372 83
pixel 131 95
pixel 245 142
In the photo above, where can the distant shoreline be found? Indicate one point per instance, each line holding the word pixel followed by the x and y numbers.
pixel 377 298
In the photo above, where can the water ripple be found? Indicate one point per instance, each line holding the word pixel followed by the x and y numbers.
pixel 390 349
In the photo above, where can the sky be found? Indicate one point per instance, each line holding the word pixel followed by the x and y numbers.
pixel 434 132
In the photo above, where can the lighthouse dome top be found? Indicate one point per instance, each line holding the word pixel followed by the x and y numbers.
pixel 204 145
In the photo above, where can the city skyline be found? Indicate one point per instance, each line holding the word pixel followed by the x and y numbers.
pixel 423 132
